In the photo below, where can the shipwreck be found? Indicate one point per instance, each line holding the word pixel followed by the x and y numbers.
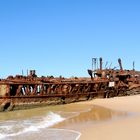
pixel 21 92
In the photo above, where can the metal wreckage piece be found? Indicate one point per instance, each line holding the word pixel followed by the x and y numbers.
pixel 21 92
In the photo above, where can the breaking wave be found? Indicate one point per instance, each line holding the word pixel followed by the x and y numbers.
pixel 14 128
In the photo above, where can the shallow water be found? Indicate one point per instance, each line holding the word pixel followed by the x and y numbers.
pixel 52 123
pixel 94 115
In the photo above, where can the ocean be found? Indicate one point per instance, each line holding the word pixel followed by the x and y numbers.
pixel 60 122
pixel 34 124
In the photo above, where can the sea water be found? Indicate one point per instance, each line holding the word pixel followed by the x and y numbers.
pixel 50 123
pixel 36 128
pixel 34 124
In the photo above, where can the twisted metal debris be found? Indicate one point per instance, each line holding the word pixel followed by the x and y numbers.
pixel 22 92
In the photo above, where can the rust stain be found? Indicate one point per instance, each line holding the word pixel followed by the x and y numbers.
pixel 21 92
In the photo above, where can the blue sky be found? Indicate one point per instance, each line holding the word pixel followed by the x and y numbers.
pixel 60 37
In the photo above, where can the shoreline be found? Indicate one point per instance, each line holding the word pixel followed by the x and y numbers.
pixel 98 119
pixel 126 128
pixel 108 119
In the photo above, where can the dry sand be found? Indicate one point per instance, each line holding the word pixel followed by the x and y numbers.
pixel 126 128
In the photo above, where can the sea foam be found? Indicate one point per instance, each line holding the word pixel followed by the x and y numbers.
pixel 33 125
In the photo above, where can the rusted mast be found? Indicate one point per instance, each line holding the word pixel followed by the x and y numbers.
pixel 101 63
pixel 120 64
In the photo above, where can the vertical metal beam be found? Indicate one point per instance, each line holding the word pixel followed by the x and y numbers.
pixel 133 65
pixel 94 64
pixel 101 63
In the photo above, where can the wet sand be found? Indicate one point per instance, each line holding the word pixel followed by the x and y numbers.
pixel 108 119
pixel 125 128
pixel 91 116
pixel 98 119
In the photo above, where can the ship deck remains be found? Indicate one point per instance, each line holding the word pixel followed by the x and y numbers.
pixel 21 92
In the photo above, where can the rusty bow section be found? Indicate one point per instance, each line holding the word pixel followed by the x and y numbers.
pixel 22 92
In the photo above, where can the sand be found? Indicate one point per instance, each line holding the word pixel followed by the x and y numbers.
pixel 125 128
pixel 98 119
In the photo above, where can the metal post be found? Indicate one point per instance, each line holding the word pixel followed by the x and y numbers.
pixel 27 72
pixel 133 65
pixel 101 63
pixel 94 64
pixel 22 73
pixel 120 64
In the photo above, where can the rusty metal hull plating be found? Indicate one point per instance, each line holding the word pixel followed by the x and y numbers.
pixel 21 92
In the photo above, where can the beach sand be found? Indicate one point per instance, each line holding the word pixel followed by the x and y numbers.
pixel 115 118
pixel 125 128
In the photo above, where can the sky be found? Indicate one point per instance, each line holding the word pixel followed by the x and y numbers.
pixel 60 37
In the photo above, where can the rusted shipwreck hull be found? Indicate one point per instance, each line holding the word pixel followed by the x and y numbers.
pixel 26 93
pixel 22 92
